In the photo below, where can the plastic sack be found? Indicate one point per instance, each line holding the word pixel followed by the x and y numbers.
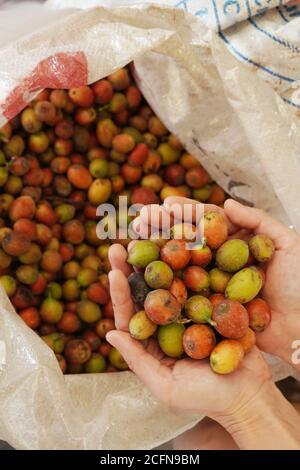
pixel 223 111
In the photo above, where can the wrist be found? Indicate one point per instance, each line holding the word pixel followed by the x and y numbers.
pixel 267 421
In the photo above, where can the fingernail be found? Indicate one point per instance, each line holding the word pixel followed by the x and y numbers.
pixel 109 335
pixel 232 202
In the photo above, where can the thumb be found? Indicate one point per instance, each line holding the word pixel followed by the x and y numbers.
pixel 154 375
pixel 258 221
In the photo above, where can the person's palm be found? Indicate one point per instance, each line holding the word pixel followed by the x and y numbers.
pixel 185 383
pixel 281 291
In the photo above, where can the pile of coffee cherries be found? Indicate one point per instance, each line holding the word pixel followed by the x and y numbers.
pixel 67 152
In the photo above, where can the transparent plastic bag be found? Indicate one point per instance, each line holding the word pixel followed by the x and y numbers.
pixel 224 113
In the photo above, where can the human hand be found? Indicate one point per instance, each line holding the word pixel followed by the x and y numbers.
pixel 186 384
pixel 282 287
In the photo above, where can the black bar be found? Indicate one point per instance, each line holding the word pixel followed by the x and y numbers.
pixel 134 459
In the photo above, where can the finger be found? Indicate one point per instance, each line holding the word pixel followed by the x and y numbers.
pixel 195 210
pixel 154 375
pixel 121 299
pixel 118 259
pixel 141 229
pixel 153 233
pixel 157 217
pixel 258 221
pixel 242 234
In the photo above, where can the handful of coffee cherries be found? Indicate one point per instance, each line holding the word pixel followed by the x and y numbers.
pixel 202 302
